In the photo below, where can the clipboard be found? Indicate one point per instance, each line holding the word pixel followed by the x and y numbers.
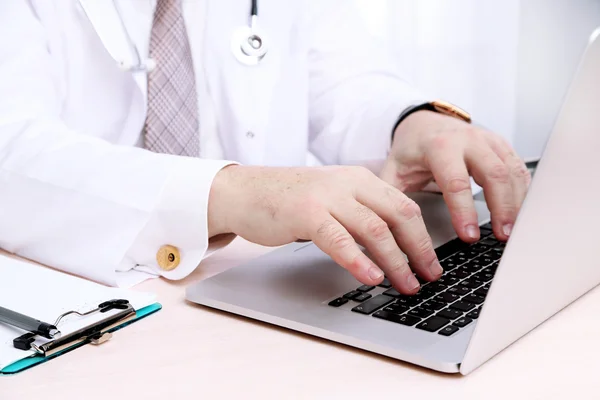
pixel 95 334
pixel 84 312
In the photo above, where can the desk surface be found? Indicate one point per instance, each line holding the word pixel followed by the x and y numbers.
pixel 188 351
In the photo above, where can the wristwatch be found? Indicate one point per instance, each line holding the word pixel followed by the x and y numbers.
pixel 442 107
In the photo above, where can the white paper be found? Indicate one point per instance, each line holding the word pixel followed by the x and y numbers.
pixel 44 294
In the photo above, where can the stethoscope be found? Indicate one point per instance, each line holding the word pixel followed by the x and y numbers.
pixel 248 43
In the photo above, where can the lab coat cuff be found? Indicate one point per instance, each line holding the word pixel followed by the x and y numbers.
pixel 180 220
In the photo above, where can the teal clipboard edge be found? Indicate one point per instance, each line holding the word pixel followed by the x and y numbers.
pixel 30 362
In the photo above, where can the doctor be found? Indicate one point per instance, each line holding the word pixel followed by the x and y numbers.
pixel 138 136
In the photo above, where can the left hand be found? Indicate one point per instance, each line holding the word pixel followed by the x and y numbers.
pixel 431 147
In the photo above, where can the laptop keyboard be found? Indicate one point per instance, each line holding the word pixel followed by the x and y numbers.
pixel 445 306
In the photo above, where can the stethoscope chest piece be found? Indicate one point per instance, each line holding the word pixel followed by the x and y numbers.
pixel 248 45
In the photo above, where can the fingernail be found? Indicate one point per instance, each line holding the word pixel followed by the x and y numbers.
pixel 472 231
pixel 413 283
pixel 436 269
pixel 507 229
pixel 375 273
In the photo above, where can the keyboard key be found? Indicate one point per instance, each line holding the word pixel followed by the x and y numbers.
pixel 475 299
pixel 459 290
pixel 397 308
pixel 462 306
pixel 352 294
pixel 480 248
pixel 474 314
pixel 460 259
pixel 365 288
pixel 446 297
pixel 338 302
pixel 491 269
pixel 362 297
pixel 485 259
pixel 385 284
pixel 392 292
pixel 433 324
pixel 373 304
pixel 489 241
pixel 448 280
pixel 466 270
pixel 426 292
pixel 420 312
pixel 449 313
pixel 471 254
pixel 435 287
pixel 433 305
pixel 410 301
pixel 482 276
pixel 482 291
pixel 450 248
pixel 472 283
pixel 407 320
pixel 448 330
pixel 448 265
pixel 487 226
pixel 450 259
pixel 462 322
pixel 494 255
pixel 459 274
pixel 471 267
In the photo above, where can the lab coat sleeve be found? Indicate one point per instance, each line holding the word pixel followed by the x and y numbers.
pixel 75 202
pixel 357 92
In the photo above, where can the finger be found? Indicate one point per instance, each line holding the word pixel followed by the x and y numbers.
pixel 405 181
pixel 374 233
pixel 493 175
pixel 333 239
pixel 403 216
pixel 520 175
pixel 446 161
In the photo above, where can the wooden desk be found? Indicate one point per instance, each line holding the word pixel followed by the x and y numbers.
pixel 187 351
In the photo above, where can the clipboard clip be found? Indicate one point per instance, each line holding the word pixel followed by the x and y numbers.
pixel 96 333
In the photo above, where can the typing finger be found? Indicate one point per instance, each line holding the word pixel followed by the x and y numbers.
pixel 520 175
pixel 373 233
pixel 493 175
pixel 333 239
pixel 446 162
pixel 403 216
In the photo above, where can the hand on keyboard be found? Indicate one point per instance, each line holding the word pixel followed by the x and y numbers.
pixel 429 145
pixel 336 208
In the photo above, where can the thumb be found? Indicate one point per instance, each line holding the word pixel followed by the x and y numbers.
pixel 389 172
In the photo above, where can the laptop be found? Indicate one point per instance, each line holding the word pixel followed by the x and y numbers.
pixel 491 293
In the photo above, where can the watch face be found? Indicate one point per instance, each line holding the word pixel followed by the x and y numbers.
pixel 452 110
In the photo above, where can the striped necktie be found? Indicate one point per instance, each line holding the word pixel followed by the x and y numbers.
pixel 172 120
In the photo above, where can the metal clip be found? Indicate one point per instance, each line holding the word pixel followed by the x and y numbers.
pixel 99 339
pixel 97 333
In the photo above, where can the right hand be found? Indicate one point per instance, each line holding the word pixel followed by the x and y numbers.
pixel 335 208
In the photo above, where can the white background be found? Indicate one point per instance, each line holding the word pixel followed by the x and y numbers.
pixel 507 62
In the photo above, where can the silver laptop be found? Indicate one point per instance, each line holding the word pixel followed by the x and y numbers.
pixel 491 293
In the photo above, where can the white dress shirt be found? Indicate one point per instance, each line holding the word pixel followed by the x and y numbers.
pixel 76 191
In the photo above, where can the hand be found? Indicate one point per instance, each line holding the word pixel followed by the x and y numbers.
pixel 429 146
pixel 336 208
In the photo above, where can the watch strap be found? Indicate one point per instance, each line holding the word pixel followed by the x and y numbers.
pixel 438 106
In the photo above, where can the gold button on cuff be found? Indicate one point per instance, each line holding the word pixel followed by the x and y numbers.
pixel 168 258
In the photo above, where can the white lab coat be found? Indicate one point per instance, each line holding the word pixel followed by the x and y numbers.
pixel 75 191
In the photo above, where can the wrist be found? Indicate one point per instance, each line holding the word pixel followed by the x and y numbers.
pixel 437 107
pixel 219 207
pixel 413 121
